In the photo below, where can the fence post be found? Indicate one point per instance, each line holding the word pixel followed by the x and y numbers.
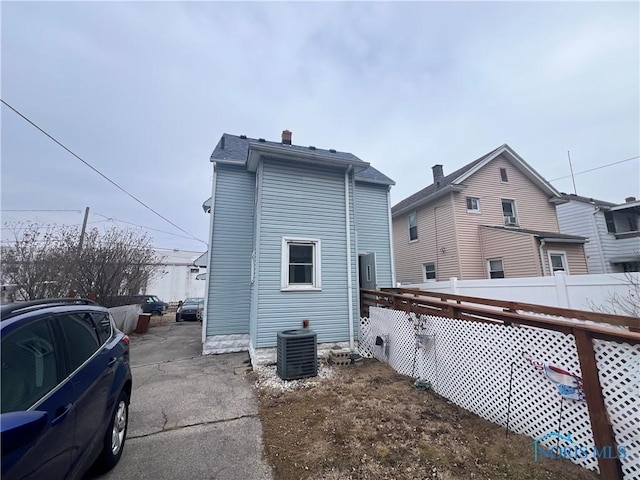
pixel 453 282
pixel 610 468
pixel 560 282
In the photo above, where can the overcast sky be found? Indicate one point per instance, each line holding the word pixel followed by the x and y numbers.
pixel 143 91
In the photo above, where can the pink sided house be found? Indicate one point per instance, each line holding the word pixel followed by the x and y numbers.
pixel 493 218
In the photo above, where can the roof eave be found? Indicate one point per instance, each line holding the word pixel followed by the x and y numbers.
pixel 257 150
pixel 563 240
pixel 423 201
pixel 377 182
pixel 625 206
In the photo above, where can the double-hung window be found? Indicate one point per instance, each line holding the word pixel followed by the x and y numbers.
pixel 300 264
pixel 473 205
pixel 495 267
pixel 509 213
pixel 429 271
pixel 413 227
pixel 558 262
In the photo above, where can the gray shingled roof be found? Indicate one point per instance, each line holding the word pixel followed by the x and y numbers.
pixel 537 233
pixel 444 182
pixel 237 148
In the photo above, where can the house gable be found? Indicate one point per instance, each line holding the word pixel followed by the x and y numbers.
pixel 497 188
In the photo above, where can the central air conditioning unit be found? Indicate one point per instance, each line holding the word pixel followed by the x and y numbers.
pixel 512 221
pixel 297 354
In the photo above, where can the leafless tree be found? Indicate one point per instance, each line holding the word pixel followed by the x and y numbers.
pixel 29 261
pixel 623 304
pixel 115 262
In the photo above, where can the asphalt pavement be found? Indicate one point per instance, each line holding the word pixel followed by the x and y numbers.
pixel 191 416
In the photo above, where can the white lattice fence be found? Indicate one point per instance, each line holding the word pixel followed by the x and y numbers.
pixel 485 369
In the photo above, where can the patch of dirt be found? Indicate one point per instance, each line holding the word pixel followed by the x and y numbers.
pixel 368 422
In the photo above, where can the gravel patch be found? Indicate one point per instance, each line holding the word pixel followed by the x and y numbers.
pixel 268 379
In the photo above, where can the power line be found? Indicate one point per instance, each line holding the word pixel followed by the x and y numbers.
pixel 21 210
pixel 101 174
pixel 597 168
pixel 43 227
pixel 141 226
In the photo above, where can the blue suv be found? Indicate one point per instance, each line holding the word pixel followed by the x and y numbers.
pixel 66 385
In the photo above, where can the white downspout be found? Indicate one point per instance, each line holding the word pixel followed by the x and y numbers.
pixel 393 261
pixel 209 269
pixel 596 233
pixel 544 266
pixel 349 279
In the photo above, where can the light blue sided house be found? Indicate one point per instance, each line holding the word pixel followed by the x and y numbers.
pixel 295 231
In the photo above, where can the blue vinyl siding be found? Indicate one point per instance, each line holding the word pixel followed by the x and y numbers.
pixel 308 202
pixel 372 215
pixel 230 269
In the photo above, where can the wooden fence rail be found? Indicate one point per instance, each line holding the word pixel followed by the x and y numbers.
pixel 507 313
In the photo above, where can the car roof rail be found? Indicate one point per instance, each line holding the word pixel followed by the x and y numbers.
pixel 15 308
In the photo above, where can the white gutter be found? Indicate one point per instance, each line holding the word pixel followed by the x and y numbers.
pixel 393 262
pixel 348 232
pixel 544 266
pixel 209 269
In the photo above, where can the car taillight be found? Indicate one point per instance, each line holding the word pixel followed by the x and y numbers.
pixel 126 339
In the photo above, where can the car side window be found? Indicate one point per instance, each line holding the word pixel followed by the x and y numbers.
pixel 81 335
pixel 103 324
pixel 30 365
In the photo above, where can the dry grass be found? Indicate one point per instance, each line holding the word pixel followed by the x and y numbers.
pixel 368 422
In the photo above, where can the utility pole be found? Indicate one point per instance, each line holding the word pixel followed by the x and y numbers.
pixel 572 177
pixel 84 228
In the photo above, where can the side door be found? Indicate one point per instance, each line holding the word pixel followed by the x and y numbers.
pixel 33 378
pixel 92 376
pixel 368 271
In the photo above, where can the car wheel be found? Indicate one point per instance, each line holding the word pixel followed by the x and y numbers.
pixel 116 434
pixel 155 313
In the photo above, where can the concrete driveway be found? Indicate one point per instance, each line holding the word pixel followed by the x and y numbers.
pixel 190 416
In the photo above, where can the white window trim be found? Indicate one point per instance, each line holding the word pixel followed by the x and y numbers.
pixel 284 273
pixel 477 201
pixel 415 214
pixel 565 260
pixel 424 272
pixel 489 260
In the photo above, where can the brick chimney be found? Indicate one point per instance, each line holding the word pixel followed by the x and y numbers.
pixel 437 174
pixel 286 137
pixel 630 199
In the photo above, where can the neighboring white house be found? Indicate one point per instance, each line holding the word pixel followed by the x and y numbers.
pixel 614 238
pixel 177 274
